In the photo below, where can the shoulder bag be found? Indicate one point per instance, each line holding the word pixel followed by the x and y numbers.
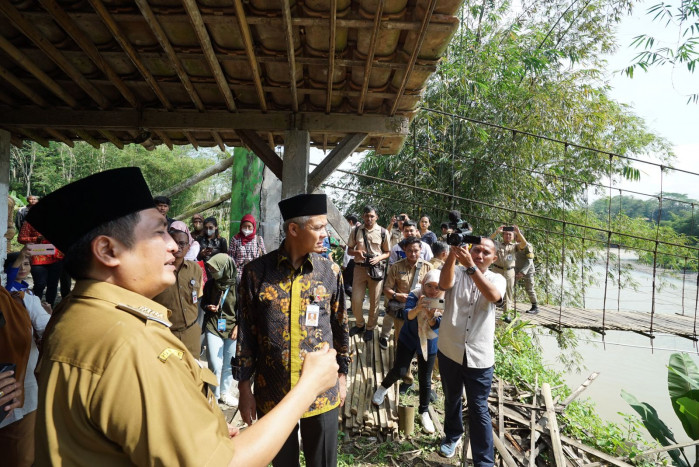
pixel 376 271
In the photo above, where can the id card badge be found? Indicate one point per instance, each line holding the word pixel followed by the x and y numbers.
pixel 195 298
pixel 312 313
pixel 221 324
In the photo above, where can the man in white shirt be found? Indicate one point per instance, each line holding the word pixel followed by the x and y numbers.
pixel 409 230
pixel 466 345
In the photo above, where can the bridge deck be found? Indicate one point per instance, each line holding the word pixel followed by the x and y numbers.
pixel 611 320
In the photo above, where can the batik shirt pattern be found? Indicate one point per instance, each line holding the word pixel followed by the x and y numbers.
pixel 274 336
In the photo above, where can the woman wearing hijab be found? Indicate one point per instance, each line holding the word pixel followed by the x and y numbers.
pixel 193 245
pixel 211 241
pixel 246 245
pixel 418 334
pixel 197 225
pixel 220 323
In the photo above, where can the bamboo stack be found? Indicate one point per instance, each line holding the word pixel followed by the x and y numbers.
pixel 369 366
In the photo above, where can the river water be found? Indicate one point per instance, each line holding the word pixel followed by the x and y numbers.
pixel 627 360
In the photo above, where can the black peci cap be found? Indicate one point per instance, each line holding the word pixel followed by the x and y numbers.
pixel 303 205
pixel 70 212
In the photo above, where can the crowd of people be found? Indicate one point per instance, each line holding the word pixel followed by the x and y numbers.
pixel 122 356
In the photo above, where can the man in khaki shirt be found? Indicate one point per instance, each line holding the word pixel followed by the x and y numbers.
pixel 379 248
pixel 505 262
pixel 115 385
pixel 397 285
pixel 182 298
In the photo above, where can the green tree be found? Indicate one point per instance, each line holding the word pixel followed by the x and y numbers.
pixel 684 51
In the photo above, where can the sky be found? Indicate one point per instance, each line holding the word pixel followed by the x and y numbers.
pixel 659 96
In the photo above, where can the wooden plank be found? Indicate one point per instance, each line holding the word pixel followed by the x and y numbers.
pixel 250 52
pixel 207 121
pixel 532 420
pixel 257 20
pixel 33 33
pixel 331 58
pixel 553 426
pixel 290 53
pixel 605 457
pixel 205 43
pixel 505 455
pixel 370 57
pixel 126 46
pixel 60 137
pixel 112 138
pixel 501 413
pixel 86 44
pixel 22 87
pixel 574 395
pixel 413 56
pixel 85 136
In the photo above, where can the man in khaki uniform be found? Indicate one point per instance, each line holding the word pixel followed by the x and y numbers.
pixel 440 250
pixel 379 248
pixel 116 387
pixel 524 269
pixel 182 298
pixel 397 285
pixel 505 262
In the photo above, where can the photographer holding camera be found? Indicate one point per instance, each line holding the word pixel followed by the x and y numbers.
pixel 505 262
pixel 369 245
pixel 466 344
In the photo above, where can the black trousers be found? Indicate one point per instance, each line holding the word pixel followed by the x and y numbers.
pixel 348 277
pixel 319 435
pixel 401 367
pixel 45 277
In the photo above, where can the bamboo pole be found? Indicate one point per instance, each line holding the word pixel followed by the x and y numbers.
pixel 203 175
pixel 553 426
pixel 204 207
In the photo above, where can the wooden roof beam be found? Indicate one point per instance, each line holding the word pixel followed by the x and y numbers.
pixel 111 137
pixel 86 44
pixel 370 57
pixel 39 74
pixel 291 53
pixel 331 57
pixel 333 160
pixel 29 30
pixel 205 42
pixel 87 137
pixel 23 88
pixel 317 122
pixel 413 57
pixel 192 140
pixel 164 138
pixel 266 154
pixel 60 137
pixel 260 20
pixel 107 19
pixel 250 52
pixel 7 99
pixel 164 42
pixel 32 135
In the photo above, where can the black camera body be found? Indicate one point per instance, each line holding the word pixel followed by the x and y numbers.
pixel 508 228
pixel 461 231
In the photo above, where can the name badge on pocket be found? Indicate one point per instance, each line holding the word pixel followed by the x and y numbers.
pixel 195 298
pixel 221 324
pixel 312 313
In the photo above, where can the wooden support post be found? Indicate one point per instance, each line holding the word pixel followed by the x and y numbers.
pixel 297 147
pixel 4 190
pixel 553 426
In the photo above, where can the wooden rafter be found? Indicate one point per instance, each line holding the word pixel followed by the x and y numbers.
pixel 207 48
pixel 413 57
pixel 331 56
pixel 333 160
pixel 60 137
pixel 29 65
pixel 175 61
pixel 164 138
pixel 84 42
pixel 290 53
pixel 370 57
pixel 29 30
pixel 112 138
pixel 22 87
pixel 129 49
pixel 250 52
pixel 257 145
pixel 85 136
pixel 34 136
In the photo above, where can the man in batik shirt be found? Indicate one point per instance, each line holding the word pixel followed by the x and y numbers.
pixel 291 302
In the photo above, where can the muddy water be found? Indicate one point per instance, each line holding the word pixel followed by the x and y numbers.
pixel 630 361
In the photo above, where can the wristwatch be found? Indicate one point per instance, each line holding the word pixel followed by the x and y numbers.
pixel 470 270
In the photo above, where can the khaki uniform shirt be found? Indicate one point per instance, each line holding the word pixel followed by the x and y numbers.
pixel 524 259
pixel 376 246
pixel 400 275
pixel 437 263
pixel 182 298
pixel 506 255
pixel 116 387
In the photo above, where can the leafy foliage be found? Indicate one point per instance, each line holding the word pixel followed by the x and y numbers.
pixel 682 17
